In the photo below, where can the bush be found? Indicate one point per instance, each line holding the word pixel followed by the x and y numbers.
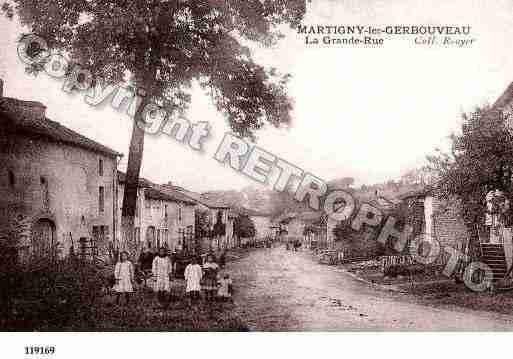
pixel 403 269
pixel 52 295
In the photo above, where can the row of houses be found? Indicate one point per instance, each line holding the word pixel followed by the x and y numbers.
pixel 62 191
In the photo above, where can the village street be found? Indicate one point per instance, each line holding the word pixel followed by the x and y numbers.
pixel 276 289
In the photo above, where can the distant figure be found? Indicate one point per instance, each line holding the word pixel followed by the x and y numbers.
pixel 193 274
pixel 224 292
pixel 124 275
pixel 162 269
pixel 210 269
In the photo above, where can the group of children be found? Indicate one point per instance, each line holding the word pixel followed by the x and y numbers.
pixel 208 279
pixel 198 278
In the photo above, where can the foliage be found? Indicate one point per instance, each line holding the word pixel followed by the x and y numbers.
pixel 71 296
pixel 167 45
pixel 343 231
pixel 479 160
pixel 404 270
pixel 162 48
pixel 244 227
pixel 49 295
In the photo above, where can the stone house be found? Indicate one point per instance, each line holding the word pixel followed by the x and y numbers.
pixel 55 183
pixel 436 218
pixel 163 217
pixel 262 223
pixel 218 212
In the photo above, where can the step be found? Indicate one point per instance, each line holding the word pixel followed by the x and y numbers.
pixel 493 262
pixel 499 274
pixel 489 250
pixel 494 257
pixel 496 265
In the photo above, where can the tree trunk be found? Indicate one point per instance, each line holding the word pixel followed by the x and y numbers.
pixel 135 155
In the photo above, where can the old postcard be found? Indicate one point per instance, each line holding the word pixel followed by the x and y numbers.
pixel 254 166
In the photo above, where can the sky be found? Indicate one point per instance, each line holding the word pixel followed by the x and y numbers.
pixel 371 113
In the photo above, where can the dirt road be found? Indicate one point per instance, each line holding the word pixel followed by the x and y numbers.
pixel 280 290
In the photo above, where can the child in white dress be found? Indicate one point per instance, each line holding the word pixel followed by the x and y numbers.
pixel 224 292
pixel 124 274
pixel 193 274
pixel 162 270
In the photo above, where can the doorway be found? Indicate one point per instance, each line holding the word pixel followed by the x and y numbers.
pixel 42 241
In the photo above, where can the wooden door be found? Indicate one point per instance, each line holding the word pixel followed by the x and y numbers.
pixel 42 238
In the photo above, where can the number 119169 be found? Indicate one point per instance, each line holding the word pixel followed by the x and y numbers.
pixel 40 350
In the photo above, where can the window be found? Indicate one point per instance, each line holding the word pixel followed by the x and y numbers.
pixel 45 193
pixel 12 179
pixel 180 214
pixel 165 210
pixel 165 236
pixel 100 167
pixel 137 235
pixel 101 199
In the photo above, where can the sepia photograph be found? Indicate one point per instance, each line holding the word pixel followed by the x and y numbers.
pixel 269 166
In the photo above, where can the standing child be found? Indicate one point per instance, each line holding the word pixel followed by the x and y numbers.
pixel 210 269
pixel 162 270
pixel 124 275
pixel 193 274
pixel 224 292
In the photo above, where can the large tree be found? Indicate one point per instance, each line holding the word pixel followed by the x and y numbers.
pixel 479 160
pixel 164 45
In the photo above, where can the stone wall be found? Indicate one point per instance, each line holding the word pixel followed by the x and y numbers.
pixel 58 183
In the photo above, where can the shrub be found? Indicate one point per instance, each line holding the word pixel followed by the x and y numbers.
pixel 403 269
pixel 51 295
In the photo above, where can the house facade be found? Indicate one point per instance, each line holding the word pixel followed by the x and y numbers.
pixel 436 218
pixel 56 184
pixel 262 225
pixel 163 218
pixel 220 216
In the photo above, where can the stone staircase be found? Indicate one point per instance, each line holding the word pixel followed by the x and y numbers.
pixel 493 256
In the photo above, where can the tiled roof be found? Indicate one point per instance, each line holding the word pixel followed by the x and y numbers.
pixel 197 197
pixel 176 194
pixel 16 121
pixel 422 192
pixel 153 193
